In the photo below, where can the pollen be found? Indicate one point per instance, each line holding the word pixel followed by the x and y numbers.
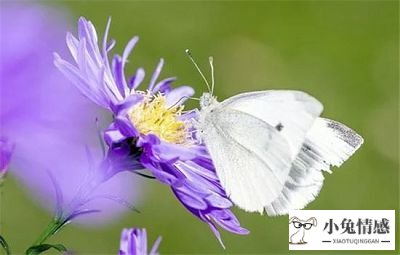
pixel 153 116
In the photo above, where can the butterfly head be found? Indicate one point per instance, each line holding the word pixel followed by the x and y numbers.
pixel 207 100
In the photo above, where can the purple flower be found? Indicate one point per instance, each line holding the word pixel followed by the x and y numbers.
pixel 150 127
pixel 134 242
pixel 48 122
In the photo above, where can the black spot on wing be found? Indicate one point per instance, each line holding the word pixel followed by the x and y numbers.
pixel 279 127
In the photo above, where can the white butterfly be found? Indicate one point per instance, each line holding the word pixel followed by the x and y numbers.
pixel 269 147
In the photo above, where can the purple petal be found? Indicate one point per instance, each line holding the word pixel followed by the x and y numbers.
pixel 125 126
pixel 82 212
pixel 199 169
pixel 124 242
pixel 216 232
pixel 149 139
pixel 112 136
pixel 154 249
pixel 228 221
pixel 134 242
pixel 76 78
pixel 200 183
pixel 73 45
pixel 164 86
pixel 87 32
pixel 127 104
pixel 118 71
pixel 155 75
pixel 172 152
pixel 218 201
pixel 190 200
pixel 119 65
pixel 105 41
pixel 128 49
pixel 135 80
pixel 190 115
pixel 163 176
pixel 179 95
pixel 110 45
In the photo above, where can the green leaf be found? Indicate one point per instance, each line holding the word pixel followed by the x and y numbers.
pixel 5 246
pixel 37 249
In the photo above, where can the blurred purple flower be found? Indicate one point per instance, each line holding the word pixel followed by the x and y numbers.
pixel 6 150
pixel 134 242
pixel 150 128
pixel 48 121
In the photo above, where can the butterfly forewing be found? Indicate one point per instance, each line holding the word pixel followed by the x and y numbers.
pixel 251 158
pixel 292 113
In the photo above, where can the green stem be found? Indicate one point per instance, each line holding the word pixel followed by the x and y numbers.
pixel 54 225
pixel 5 246
pixel 50 230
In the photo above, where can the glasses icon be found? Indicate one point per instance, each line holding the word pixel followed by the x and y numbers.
pixel 306 226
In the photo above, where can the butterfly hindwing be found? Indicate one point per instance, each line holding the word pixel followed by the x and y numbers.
pixel 328 143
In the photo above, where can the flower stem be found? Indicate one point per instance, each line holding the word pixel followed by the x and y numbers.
pixel 5 246
pixel 50 230
pixel 38 246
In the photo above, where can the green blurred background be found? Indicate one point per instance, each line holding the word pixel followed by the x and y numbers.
pixel 345 53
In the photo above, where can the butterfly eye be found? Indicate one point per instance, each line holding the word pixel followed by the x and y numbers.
pixel 307 225
pixel 297 224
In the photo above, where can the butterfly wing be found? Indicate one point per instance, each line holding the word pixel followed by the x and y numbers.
pixel 328 143
pixel 291 112
pixel 253 139
pixel 250 157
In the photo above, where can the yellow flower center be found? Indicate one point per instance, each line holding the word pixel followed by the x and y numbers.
pixel 152 116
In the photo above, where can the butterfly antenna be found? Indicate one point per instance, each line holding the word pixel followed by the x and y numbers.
pixel 211 60
pixel 189 54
